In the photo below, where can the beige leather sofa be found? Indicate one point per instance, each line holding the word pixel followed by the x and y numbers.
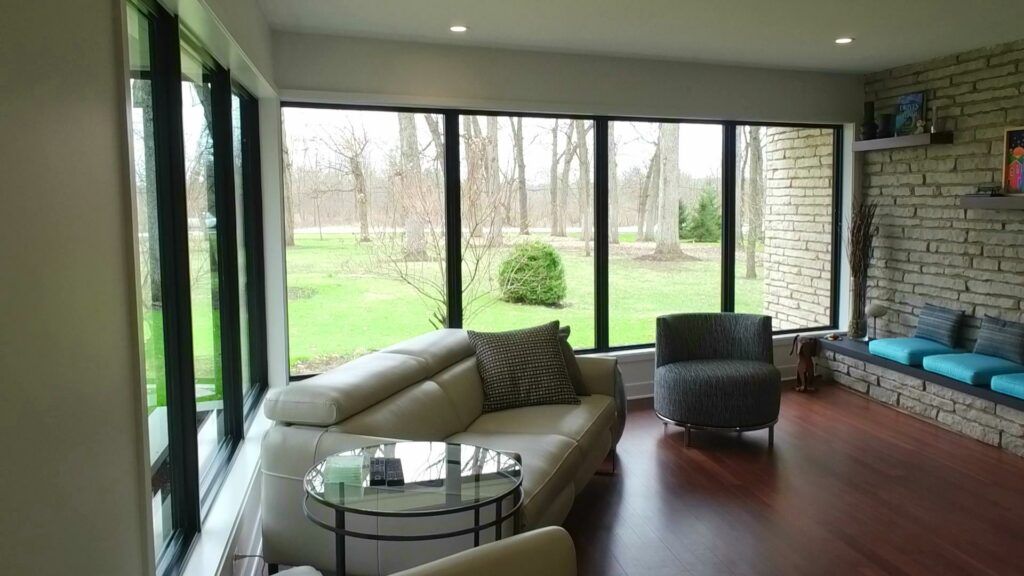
pixel 543 552
pixel 426 388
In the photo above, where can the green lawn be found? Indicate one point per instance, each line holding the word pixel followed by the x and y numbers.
pixel 343 302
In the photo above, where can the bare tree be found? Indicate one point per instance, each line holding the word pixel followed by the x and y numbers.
pixel 553 181
pixel 650 195
pixel 667 244
pixel 613 187
pixel 411 185
pixel 563 180
pixel 520 177
pixel 349 149
pixel 289 212
pixel 583 155
pixel 492 174
pixel 754 201
pixel 742 177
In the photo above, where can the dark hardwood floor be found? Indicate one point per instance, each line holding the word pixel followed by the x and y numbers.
pixel 851 487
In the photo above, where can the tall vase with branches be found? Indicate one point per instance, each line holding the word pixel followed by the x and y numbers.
pixel 860 239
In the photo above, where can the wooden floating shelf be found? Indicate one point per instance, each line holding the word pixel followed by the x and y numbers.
pixel 903 141
pixel 993 202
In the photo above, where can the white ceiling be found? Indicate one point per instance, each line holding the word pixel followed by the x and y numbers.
pixel 794 34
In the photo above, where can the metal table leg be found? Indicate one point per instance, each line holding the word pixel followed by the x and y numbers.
pixel 339 543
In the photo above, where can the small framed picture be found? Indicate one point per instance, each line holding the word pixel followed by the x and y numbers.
pixel 909 111
pixel 1013 161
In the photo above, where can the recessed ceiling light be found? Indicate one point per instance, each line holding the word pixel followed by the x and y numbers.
pixel 844 40
pixel 458 28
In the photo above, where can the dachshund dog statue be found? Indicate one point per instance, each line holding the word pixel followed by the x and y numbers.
pixel 806 349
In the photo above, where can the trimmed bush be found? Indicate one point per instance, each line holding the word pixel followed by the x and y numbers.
pixel 532 274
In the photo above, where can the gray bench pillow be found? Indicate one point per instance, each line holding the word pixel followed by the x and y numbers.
pixel 1002 339
pixel 939 324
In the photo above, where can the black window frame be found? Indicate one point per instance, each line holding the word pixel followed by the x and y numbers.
pixel 453 196
pixel 192 495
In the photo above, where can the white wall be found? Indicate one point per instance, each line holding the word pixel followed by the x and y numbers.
pixel 356 70
pixel 71 478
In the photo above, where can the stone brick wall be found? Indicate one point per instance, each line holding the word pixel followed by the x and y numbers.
pixel 975 417
pixel 929 249
pixel 797 226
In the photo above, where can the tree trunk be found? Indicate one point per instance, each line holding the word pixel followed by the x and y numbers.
pixel 473 197
pixel 524 201
pixel 741 177
pixel 667 243
pixel 613 188
pixel 289 213
pixel 142 93
pixel 754 200
pixel 583 153
pixel 493 171
pixel 563 183
pixel 650 213
pixel 412 189
pixel 437 137
pixel 355 166
pixel 553 181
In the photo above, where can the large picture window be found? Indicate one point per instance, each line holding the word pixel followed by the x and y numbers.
pixel 786 215
pixel 195 174
pixel 527 211
pixel 665 224
pixel 365 231
pixel 600 223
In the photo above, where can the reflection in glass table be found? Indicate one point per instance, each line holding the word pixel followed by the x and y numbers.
pixel 436 479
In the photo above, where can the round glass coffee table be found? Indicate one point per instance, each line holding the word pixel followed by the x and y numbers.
pixel 413 480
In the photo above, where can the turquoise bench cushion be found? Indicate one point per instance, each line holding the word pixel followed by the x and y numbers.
pixel 1011 384
pixel 909 351
pixel 974 369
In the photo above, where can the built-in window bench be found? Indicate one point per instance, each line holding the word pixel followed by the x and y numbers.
pixel 988 416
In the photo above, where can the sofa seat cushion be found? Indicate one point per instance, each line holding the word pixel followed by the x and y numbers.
pixel 973 369
pixel 580 423
pixel 909 351
pixel 549 461
pixel 1010 384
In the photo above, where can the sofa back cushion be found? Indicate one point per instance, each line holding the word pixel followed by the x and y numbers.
pixel 420 412
pixel 347 390
pixel 461 382
pixel 337 394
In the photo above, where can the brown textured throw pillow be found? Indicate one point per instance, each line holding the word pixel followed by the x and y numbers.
pixel 575 374
pixel 522 368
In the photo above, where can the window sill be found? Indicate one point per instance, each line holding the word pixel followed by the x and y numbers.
pixel 212 551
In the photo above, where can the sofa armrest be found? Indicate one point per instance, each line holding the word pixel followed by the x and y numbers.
pixel 601 376
pixel 546 551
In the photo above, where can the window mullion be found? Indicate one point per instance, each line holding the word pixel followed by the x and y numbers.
pixel 453 218
pixel 601 237
pixel 728 217
pixel 227 255
pixel 176 291
pixel 252 192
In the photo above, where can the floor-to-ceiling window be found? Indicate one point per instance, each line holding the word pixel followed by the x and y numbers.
pixel 365 231
pixel 600 223
pixel 785 224
pixel 194 143
pixel 527 215
pixel 665 228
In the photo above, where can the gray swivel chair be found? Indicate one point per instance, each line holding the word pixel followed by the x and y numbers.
pixel 715 372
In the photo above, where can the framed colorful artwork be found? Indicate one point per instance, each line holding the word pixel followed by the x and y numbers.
pixel 1013 161
pixel 909 111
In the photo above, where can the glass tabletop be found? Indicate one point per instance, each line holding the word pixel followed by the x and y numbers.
pixel 413 478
